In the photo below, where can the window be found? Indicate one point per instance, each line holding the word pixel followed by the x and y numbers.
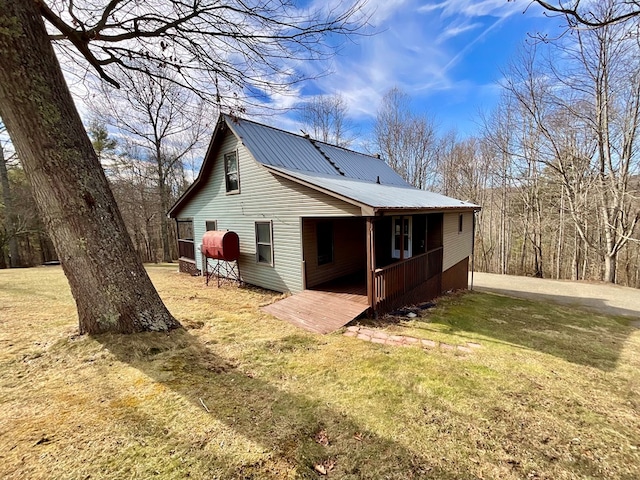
pixel 460 223
pixel 401 236
pixel 186 245
pixel 232 180
pixel 185 228
pixel 211 225
pixel 324 234
pixel 264 243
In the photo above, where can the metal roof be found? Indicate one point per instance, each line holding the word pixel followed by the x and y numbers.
pixel 376 196
pixel 361 166
pixel 277 148
pixel 337 171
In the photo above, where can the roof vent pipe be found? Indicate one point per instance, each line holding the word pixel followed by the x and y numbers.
pixel 378 180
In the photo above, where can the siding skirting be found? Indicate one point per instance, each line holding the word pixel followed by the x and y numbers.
pixel 456 277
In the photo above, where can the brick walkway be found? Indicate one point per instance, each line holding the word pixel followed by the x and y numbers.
pixel 383 338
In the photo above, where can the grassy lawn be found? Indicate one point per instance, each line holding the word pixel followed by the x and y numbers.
pixel 553 392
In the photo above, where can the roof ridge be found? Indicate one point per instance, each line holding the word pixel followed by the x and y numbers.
pixel 372 157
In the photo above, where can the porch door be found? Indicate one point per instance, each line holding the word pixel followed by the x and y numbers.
pixel 401 237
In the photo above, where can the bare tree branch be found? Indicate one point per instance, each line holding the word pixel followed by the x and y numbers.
pixel 247 45
pixel 577 16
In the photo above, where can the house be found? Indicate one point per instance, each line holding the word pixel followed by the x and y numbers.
pixel 309 214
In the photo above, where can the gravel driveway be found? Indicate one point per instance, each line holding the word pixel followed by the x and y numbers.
pixel 605 298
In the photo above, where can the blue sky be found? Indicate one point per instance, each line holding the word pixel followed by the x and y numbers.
pixel 447 55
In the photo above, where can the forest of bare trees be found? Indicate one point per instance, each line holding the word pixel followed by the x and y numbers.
pixel 556 165
pixel 565 204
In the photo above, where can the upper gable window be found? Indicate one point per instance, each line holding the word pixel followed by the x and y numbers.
pixel 232 179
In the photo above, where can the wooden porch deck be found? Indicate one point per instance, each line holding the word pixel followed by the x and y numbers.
pixel 324 309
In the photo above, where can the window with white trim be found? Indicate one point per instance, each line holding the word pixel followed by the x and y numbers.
pixel 264 242
pixel 231 174
pixel 460 223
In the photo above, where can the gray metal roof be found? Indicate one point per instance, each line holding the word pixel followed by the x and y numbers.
pixel 379 197
pixel 361 166
pixel 277 148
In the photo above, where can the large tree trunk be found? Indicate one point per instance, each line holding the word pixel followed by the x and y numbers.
pixel 10 216
pixel 110 286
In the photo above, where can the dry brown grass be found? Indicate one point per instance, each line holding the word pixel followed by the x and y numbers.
pixel 553 392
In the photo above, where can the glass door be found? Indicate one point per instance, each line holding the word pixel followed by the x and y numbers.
pixel 401 237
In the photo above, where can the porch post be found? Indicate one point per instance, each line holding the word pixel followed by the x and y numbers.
pixel 371 263
pixel 401 238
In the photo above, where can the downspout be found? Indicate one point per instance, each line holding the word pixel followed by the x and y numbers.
pixel 473 247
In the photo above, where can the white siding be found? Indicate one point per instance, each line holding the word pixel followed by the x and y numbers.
pixel 456 245
pixel 262 197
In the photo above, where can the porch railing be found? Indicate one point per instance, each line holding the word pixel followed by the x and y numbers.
pixel 392 283
pixel 186 249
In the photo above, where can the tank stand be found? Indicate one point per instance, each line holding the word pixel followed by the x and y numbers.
pixel 225 272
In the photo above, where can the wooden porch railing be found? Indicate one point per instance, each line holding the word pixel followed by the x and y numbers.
pixel 186 249
pixel 392 283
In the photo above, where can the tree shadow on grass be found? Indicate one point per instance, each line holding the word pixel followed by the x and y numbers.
pixel 285 425
pixel 570 333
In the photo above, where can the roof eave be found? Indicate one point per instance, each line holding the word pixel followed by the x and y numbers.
pixel 434 209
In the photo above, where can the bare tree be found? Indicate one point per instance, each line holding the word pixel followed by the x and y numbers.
pixel 407 141
pixel 131 178
pixel 166 123
pixel 231 44
pixel 584 15
pixel 324 117
pixel 23 242
pixel 588 112
pixel 10 229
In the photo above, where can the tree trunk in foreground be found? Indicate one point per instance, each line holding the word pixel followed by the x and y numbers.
pixel 109 284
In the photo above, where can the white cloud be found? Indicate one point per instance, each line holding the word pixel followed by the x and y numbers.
pixel 462 53
pixel 474 8
pixel 382 10
pixel 455 30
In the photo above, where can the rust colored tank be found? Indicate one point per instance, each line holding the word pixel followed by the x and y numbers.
pixel 221 245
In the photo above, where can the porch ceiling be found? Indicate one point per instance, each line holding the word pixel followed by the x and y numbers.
pixel 318 311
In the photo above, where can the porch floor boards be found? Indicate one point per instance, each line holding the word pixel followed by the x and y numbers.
pixel 320 311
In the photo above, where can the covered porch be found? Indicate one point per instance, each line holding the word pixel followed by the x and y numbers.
pixel 354 265
pixel 393 260
pixel 404 260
